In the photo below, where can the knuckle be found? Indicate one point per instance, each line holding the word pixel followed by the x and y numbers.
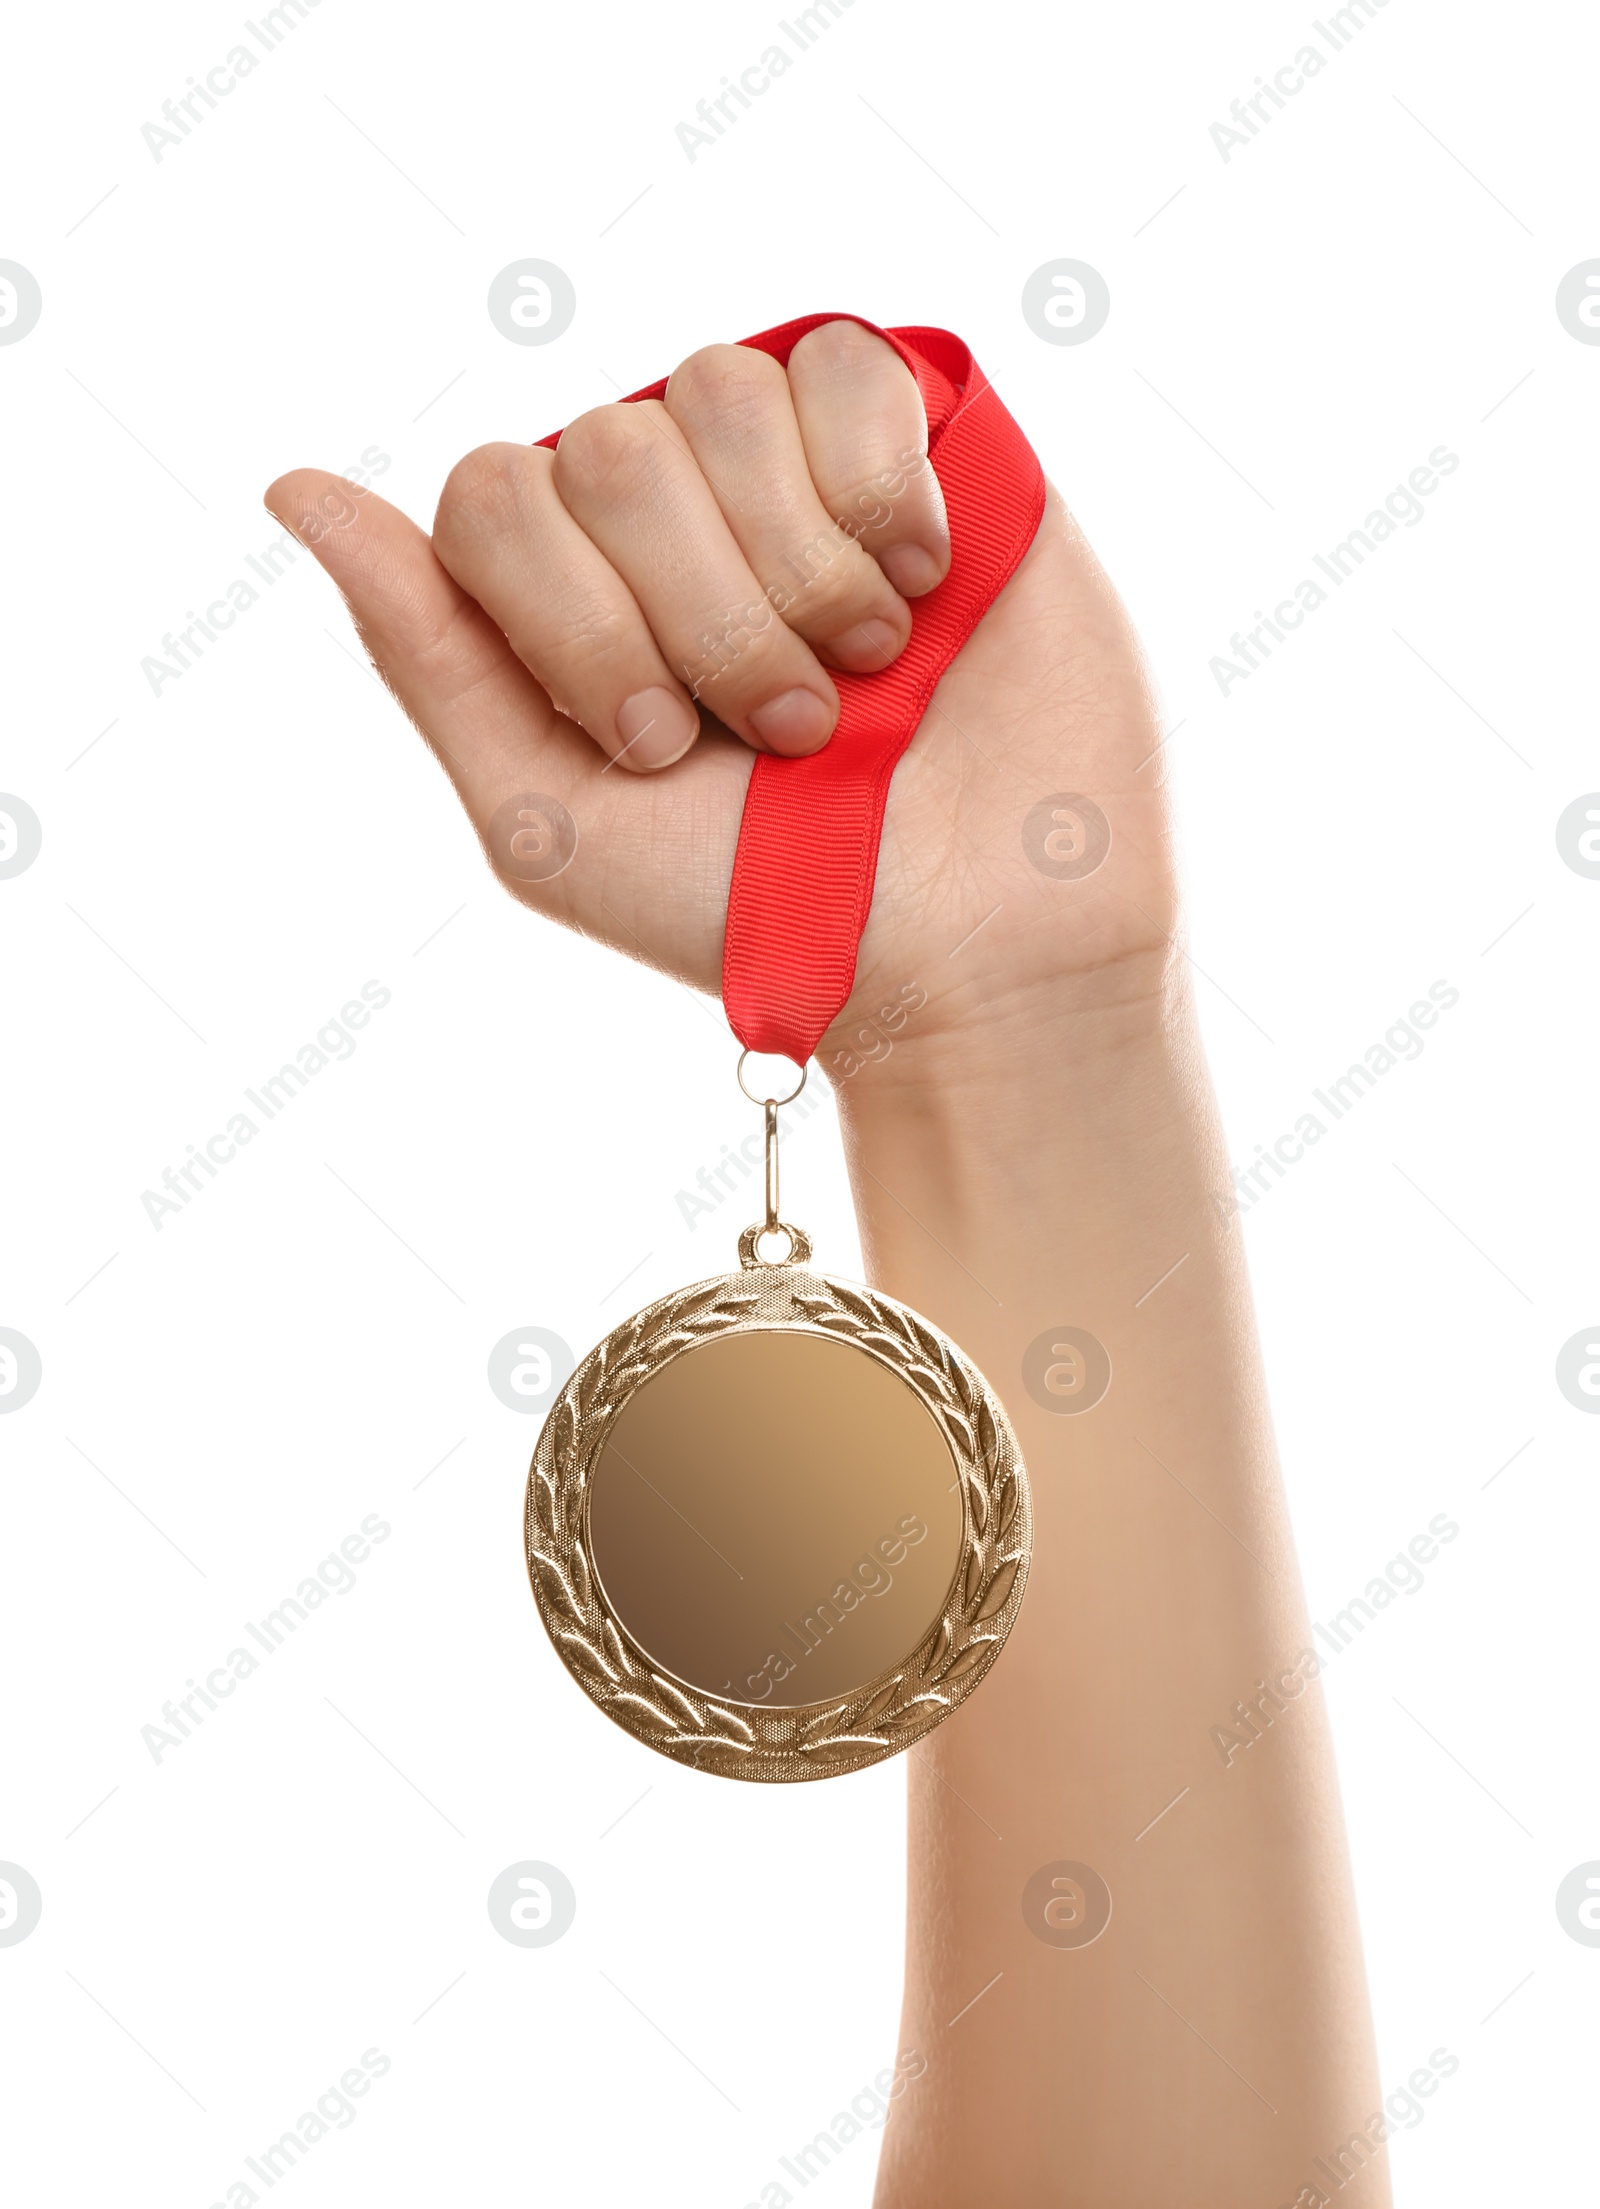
pixel 484 491
pixel 733 657
pixel 600 447
pixel 831 582
pixel 723 380
pixel 876 456
pixel 595 634
pixel 841 349
pixel 899 500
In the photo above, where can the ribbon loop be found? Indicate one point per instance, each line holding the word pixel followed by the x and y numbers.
pixel 807 857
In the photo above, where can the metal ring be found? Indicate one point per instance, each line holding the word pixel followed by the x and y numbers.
pixel 804 1071
pixel 797 1254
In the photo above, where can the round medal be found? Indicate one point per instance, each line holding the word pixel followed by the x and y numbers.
pixel 777 1525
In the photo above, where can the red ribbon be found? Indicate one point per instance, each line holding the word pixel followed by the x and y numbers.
pixel 807 857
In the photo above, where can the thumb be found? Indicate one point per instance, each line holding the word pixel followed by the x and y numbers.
pixel 640 864
pixel 491 725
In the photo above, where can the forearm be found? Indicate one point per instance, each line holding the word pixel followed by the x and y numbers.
pixel 1035 1187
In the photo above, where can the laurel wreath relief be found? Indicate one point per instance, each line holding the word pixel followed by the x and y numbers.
pixel 813 1741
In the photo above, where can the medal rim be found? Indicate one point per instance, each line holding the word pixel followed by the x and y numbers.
pixel 758 1742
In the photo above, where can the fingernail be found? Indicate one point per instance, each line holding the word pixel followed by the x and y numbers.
pixel 795 721
pixel 910 569
pixel 656 727
pixel 869 645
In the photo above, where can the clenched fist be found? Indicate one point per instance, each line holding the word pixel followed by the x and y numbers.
pixel 623 622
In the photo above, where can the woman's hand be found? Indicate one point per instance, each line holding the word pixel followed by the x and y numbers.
pixel 1039 1151
pixel 623 623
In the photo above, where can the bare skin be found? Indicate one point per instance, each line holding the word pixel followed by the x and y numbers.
pixel 1038 1149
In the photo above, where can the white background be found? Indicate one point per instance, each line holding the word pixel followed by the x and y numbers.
pixel 227 1398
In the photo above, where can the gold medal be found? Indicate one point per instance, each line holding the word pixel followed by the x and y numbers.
pixel 777 1525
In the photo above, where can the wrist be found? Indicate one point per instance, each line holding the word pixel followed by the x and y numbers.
pixel 1018 1061
pixel 987 1162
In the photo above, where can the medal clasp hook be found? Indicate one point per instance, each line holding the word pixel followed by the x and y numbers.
pixel 799 1250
